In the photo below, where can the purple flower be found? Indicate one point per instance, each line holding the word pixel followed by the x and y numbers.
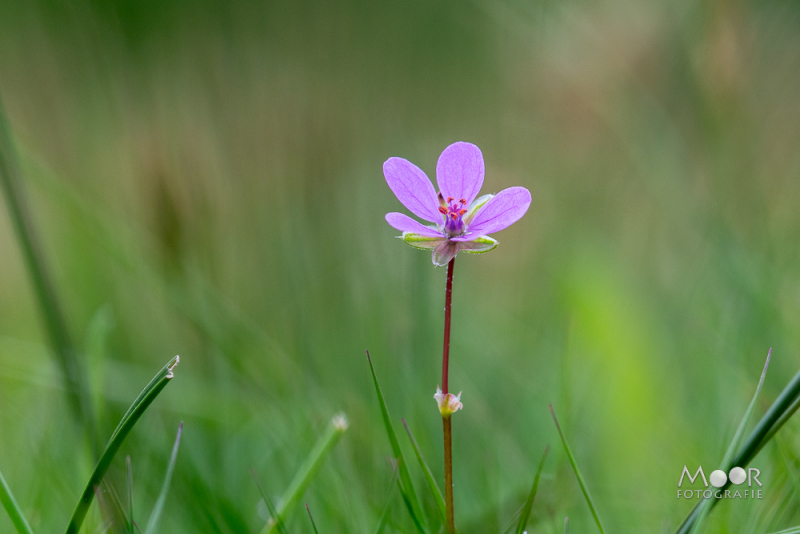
pixel 460 221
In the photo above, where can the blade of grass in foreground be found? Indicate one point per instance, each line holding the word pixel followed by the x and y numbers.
pixel 311 517
pixel 777 415
pixel 434 487
pixel 155 515
pixel 11 506
pixel 386 508
pixel 307 471
pixel 793 530
pixel 526 511
pixel 406 487
pixel 75 377
pixel 578 475
pixel 139 406
pixel 705 507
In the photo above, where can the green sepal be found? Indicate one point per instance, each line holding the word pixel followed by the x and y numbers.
pixel 421 241
pixel 480 245
pixel 475 207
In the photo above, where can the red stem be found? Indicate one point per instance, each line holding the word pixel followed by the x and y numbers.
pixel 446 350
pixel 448 446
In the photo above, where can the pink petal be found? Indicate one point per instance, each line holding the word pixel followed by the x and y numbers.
pixel 459 171
pixel 503 210
pixel 404 223
pixel 444 252
pixel 412 187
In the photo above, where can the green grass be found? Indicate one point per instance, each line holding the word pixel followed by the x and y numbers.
pixel 204 179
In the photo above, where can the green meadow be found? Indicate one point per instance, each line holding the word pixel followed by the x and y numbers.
pixel 204 179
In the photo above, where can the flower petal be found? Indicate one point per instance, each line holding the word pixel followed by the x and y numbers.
pixel 444 252
pixel 413 188
pixel 475 207
pixel 422 241
pixel 459 171
pixel 503 210
pixel 404 223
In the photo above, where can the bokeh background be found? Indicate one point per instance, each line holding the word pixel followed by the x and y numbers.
pixel 205 179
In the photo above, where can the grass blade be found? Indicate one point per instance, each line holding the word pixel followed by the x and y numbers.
pixel 777 415
pixel 155 515
pixel 578 475
pixel 704 505
pixel 526 511
pixel 11 506
pixel 74 374
pixel 311 517
pixel 793 530
pixel 406 487
pixel 268 503
pixel 434 487
pixel 409 508
pixel 139 406
pixel 307 471
pixel 129 482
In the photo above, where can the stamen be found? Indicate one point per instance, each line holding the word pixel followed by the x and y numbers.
pixel 450 199
pixel 442 209
pixel 463 200
pixel 462 212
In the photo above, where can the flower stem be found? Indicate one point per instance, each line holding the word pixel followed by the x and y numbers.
pixel 446 349
pixel 448 446
pixel 448 475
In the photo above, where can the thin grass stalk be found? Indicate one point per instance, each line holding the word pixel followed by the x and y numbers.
pixel 129 483
pixel 404 482
pixel 11 506
pixel 311 517
pixel 434 488
pixel 577 471
pixel 75 377
pixel 132 416
pixel 268 503
pixel 307 471
pixel 155 515
pixel 528 508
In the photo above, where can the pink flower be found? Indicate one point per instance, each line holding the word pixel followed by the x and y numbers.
pixel 460 221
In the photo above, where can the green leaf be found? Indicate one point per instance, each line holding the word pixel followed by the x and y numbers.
pixel 307 472
pixel 406 487
pixel 432 485
pixel 11 506
pixel 577 471
pixel 155 515
pixel 526 511
pixel 268 503
pixel 129 420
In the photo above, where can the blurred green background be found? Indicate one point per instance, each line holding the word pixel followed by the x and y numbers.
pixel 205 179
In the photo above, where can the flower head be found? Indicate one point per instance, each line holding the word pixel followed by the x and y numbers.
pixel 448 403
pixel 460 219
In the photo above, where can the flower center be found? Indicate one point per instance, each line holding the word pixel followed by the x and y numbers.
pixel 453 211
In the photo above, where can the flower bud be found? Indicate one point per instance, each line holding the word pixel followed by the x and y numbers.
pixel 449 403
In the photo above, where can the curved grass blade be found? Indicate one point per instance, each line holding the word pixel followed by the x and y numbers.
pixel 526 511
pixel 409 508
pixel 126 424
pixel 434 487
pixel 777 415
pixel 406 487
pixel 311 517
pixel 793 530
pixel 11 506
pixel 307 471
pixel 155 515
pixel 74 374
pixel 578 475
